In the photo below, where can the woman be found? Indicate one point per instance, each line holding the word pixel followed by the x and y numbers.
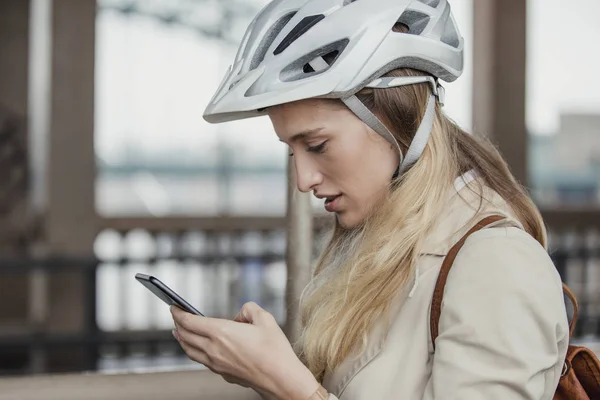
pixel 352 87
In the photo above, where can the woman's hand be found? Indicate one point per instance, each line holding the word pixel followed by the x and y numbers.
pixel 250 351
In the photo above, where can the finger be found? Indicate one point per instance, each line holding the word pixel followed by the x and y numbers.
pixel 240 318
pixel 192 339
pixel 195 354
pixel 198 324
pixel 254 314
pixel 201 357
pixel 249 312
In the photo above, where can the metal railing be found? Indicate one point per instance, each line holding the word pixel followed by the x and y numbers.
pixel 574 245
pixel 217 264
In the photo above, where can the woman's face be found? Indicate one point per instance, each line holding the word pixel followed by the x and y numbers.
pixel 337 156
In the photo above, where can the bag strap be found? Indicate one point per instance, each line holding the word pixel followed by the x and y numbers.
pixel 438 293
pixel 569 294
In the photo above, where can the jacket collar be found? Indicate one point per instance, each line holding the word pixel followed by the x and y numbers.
pixel 467 204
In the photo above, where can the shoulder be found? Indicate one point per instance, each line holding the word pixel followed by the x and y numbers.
pixel 507 254
pixel 505 269
pixel 503 325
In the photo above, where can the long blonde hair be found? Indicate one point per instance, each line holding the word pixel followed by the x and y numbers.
pixel 361 270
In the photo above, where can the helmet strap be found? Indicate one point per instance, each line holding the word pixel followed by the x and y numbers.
pixel 421 137
pixel 419 141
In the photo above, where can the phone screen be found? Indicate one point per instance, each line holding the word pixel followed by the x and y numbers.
pixel 165 293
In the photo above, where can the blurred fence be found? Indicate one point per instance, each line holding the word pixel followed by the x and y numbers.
pixel 577 258
pixel 216 264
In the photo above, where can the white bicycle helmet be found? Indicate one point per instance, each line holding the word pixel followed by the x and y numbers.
pixel 300 49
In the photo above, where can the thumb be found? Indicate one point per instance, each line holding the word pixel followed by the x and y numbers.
pixel 251 313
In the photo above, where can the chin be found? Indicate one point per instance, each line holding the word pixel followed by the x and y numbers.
pixel 348 221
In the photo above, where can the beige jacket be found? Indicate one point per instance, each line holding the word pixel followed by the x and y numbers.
pixel 503 331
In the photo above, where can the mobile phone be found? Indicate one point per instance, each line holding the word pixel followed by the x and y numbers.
pixel 165 293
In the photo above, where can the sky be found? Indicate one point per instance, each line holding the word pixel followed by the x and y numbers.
pixel 153 82
pixel 563 57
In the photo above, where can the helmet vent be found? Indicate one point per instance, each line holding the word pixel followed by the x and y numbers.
pixel 450 36
pixel 416 21
pixel 430 3
pixel 301 68
pixel 299 30
pixel 269 38
pixel 329 59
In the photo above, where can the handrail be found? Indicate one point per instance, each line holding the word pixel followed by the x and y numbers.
pixel 577 218
pixel 217 223
pixel 183 385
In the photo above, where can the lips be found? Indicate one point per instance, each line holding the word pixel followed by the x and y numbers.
pixel 332 203
pixel 330 199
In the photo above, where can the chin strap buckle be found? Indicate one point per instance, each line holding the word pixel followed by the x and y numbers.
pixel 441 94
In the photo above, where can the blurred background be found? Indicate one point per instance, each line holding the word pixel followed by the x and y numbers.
pixel 108 169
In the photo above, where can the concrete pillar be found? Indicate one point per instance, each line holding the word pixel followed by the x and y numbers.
pixel 499 87
pixel 14 54
pixel 70 220
pixel 47 50
pixel 299 251
pixel 14 60
pixel 71 223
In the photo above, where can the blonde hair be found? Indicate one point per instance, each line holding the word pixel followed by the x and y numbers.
pixel 361 270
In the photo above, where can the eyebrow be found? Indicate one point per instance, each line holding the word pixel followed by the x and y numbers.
pixel 304 134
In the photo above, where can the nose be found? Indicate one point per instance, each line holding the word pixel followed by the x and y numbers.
pixel 307 174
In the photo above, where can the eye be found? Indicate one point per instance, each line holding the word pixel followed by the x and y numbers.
pixel 318 149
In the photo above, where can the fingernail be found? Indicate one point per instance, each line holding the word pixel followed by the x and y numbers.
pixel 174 332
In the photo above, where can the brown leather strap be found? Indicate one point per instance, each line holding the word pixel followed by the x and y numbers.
pixel 567 291
pixel 438 293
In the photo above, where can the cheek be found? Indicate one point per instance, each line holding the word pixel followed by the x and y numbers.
pixel 353 155
pixel 369 176
pixel 370 165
